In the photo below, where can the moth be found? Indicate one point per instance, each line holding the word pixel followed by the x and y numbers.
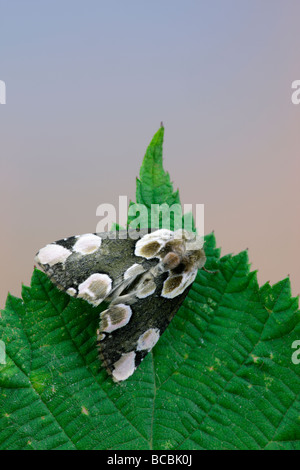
pixel 143 276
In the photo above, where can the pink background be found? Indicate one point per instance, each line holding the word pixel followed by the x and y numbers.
pixel 88 83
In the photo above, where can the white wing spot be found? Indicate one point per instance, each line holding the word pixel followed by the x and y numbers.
pixel 151 243
pixel 115 317
pixel 71 291
pixel 87 244
pixel 52 254
pixel 124 367
pixel 169 292
pixel 95 288
pixel 148 340
pixel 101 336
pixel 133 271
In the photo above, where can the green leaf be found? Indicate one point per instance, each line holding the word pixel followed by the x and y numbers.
pixel 221 376
pixel 154 185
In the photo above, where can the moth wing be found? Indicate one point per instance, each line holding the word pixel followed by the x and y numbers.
pixel 127 333
pixel 92 266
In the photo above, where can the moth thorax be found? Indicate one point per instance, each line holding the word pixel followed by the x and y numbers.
pixel 171 261
pixel 174 246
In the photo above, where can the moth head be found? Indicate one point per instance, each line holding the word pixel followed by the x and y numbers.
pixel 183 253
pixel 170 261
pixel 180 250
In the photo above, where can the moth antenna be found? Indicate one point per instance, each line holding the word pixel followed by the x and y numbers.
pixel 210 272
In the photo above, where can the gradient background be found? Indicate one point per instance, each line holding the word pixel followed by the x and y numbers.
pixel 88 83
